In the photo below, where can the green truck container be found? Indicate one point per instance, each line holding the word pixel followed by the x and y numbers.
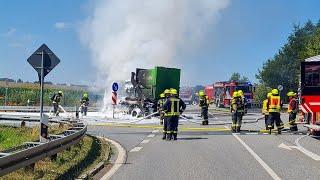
pixel 153 82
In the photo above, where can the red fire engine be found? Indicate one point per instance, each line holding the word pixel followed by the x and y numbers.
pixel 310 93
pixel 221 93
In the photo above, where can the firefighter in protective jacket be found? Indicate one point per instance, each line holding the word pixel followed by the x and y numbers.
pixel 237 110
pixel 172 108
pixel 274 105
pixel 204 105
pixel 292 110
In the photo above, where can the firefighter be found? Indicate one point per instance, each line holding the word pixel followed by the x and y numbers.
pixel 172 108
pixel 204 104
pixel 274 105
pixel 84 104
pixel 244 100
pixel 237 110
pixel 56 99
pixel 265 111
pixel 159 107
pixel 165 122
pixel 292 110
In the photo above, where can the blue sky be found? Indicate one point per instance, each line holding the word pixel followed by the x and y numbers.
pixel 248 33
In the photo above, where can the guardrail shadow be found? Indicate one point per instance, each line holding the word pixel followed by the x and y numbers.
pixel 91 156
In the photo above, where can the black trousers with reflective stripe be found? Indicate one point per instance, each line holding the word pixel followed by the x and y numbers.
pixel 204 113
pixel 274 117
pixel 172 123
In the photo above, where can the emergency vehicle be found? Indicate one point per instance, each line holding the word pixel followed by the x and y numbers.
pixel 220 93
pixel 310 93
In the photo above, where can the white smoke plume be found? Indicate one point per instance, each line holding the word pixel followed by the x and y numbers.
pixel 125 34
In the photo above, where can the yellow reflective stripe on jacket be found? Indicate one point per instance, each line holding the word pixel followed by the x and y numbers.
pixel 274 105
pixel 174 109
pixel 265 107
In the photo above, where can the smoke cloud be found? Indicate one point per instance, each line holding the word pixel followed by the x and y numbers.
pixel 124 34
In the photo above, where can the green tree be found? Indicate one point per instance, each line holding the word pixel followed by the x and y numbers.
pixel 284 67
pixel 235 76
pixel 261 92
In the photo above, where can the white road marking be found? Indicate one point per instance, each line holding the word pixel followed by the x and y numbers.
pixel 136 149
pixel 260 161
pixel 284 146
pixel 151 135
pixel 145 141
pixel 155 131
pixel 253 133
pixel 121 159
pixel 312 155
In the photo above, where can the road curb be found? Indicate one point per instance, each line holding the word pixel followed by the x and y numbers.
pixel 119 161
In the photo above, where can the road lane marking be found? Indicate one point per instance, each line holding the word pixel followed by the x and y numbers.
pixel 121 159
pixel 145 141
pixel 284 146
pixel 136 149
pixel 252 133
pixel 257 157
pixel 151 135
pixel 312 155
pixel 155 131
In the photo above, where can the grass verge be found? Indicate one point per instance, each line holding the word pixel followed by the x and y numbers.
pixel 15 136
pixel 70 163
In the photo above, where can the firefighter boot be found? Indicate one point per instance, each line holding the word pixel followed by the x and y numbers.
pixel 238 129
pixel 294 128
pixel 164 136
pixel 169 136
pixel 175 136
pixel 279 131
pixel 207 122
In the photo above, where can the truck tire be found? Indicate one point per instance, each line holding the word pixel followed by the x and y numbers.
pixel 136 112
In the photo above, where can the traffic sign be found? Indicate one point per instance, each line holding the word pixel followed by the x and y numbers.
pixel 114 98
pixel 280 87
pixel 115 87
pixel 50 60
pixel 43 60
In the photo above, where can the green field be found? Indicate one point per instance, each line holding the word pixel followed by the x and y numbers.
pixel 14 136
pixel 20 93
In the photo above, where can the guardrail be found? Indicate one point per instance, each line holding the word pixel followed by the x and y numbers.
pixel 37 109
pixel 32 118
pixel 31 152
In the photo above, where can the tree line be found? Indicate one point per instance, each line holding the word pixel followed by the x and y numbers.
pixel 284 67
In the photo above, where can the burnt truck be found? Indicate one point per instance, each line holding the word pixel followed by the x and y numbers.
pixel 145 87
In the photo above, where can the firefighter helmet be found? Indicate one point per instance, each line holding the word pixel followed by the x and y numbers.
pixel 269 94
pixel 291 94
pixel 275 91
pixel 162 95
pixel 236 94
pixel 201 93
pixel 173 92
pixel 240 93
pixel 167 91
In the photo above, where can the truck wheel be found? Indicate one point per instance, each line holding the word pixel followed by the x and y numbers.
pixel 135 112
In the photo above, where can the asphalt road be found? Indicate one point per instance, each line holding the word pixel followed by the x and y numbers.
pixel 215 153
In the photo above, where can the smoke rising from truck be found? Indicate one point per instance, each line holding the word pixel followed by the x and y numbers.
pixel 123 35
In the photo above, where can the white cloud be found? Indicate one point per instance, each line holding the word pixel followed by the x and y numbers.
pixel 10 32
pixel 60 25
